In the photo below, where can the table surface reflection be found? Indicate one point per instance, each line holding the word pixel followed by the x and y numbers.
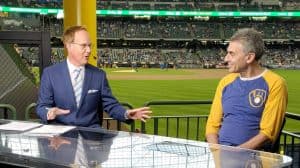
pixel 104 148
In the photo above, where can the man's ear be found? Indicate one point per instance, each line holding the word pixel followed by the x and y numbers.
pixel 250 57
pixel 67 45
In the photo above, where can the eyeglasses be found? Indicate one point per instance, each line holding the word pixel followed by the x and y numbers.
pixel 83 45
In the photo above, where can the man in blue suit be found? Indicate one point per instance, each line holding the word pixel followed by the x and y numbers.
pixel 74 92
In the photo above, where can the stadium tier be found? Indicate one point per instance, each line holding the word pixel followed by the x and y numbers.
pixel 181 41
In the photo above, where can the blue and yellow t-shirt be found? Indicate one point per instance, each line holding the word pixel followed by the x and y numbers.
pixel 243 107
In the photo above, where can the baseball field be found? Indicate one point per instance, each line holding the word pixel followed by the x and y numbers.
pixel 138 87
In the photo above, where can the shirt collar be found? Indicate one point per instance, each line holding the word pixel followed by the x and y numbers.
pixel 255 77
pixel 73 67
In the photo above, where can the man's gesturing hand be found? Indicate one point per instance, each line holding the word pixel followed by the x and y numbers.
pixel 53 112
pixel 142 113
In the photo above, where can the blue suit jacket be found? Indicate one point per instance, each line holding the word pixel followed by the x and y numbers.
pixel 56 90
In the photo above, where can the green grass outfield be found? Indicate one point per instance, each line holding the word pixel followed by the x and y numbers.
pixel 137 92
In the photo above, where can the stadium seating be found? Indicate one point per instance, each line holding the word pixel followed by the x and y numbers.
pixel 165 39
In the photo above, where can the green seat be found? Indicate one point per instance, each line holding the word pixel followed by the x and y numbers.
pixel 28 113
pixel 8 107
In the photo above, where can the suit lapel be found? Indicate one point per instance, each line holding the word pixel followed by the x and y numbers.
pixel 87 78
pixel 69 86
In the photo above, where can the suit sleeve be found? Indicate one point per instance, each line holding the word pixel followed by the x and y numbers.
pixel 110 103
pixel 45 98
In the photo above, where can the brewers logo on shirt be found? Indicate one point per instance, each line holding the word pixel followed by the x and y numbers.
pixel 257 97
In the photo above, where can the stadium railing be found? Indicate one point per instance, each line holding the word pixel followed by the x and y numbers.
pixel 8 108
pixel 108 122
pixel 195 123
pixel 291 140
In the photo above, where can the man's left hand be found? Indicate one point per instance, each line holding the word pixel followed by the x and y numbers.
pixel 142 114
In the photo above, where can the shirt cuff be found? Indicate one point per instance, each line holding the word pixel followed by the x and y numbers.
pixel 126 115
pixel 48 112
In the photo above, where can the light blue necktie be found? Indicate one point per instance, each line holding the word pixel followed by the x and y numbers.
pixel 77 86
